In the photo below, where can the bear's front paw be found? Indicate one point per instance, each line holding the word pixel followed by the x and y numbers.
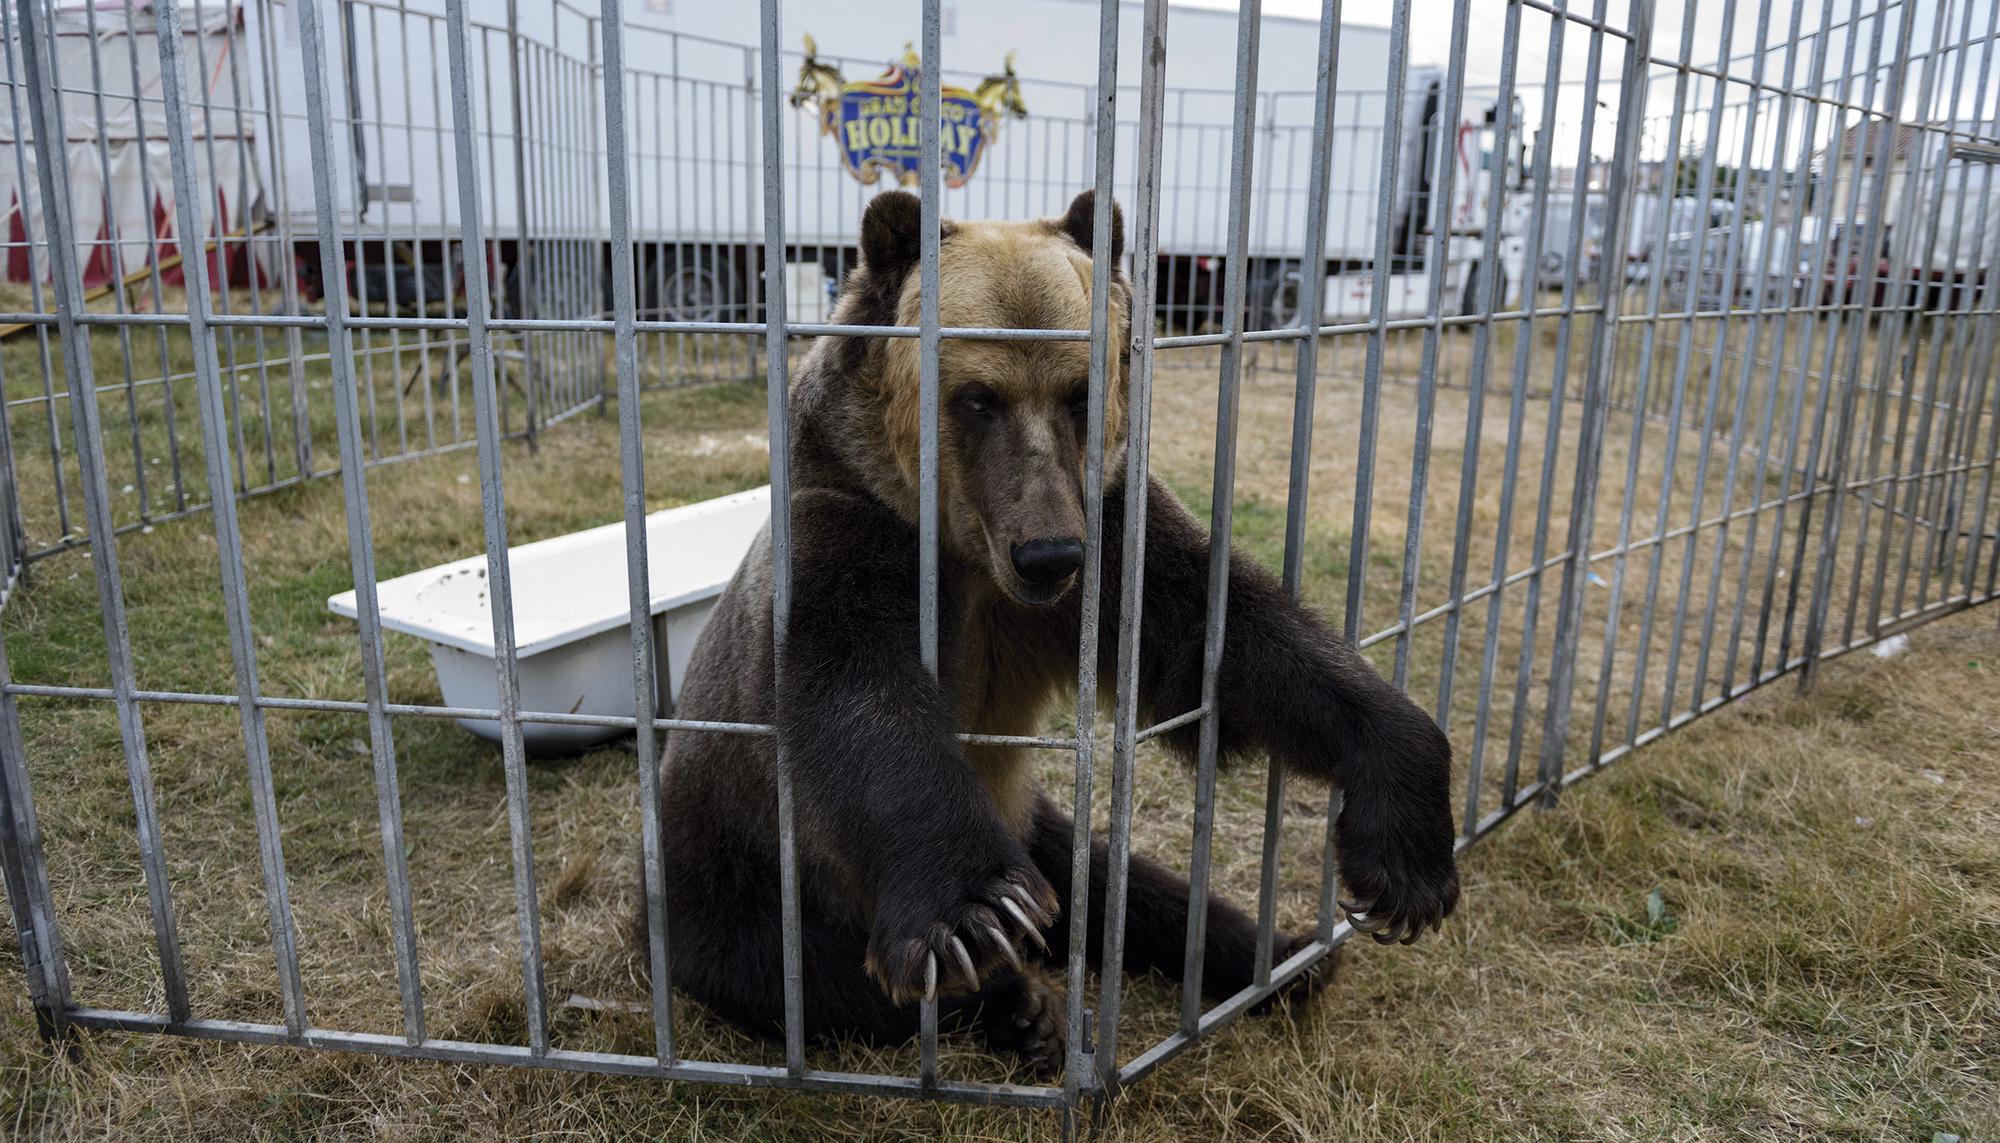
pixel 1400 873
pixel 940 942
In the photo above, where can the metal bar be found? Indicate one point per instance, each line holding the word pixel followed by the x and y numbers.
pixel 28 185
pixel 1082 1070
pixel 599 326
pixel 552 718
pixel 1482 334
pixel 1526 667
pixel 776 389
pixel 1378 302
pixel 523 255
pixel 1670 451
pixel 233 371
pixel 1590 444
pixel 929 177
pixel 1312 283
pixel 632 471
pixel 1635 446
pixel 423 367
pixel 557 1059
pixel 1740 419
pixel 1427 365
pixel 360 542
pixel 493 505
pixel 1131 584
pixel 1832 322
pixel 1524 341
pixel 752 293
pixel 114 234
pixel 228 533
pixel 25 864
pixel 444 246
pixel 1856 326
pixel 146 191
pixel 1886 353
pixel 388 261
pixel 357 137
pixel 1222 512
pixel 1800 181
pixel 44 107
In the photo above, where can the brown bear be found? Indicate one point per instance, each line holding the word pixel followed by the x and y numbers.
pixel 918 854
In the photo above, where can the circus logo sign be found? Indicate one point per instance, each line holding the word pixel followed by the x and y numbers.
pixel 874 122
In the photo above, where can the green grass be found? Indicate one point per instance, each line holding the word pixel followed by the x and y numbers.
pixel 413 389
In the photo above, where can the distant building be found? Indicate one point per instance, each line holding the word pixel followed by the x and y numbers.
pixel 1839 169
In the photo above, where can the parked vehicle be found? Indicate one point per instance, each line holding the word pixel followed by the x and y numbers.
pixel 1558 222
pixel 1688 221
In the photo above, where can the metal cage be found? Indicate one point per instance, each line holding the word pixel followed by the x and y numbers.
pixel 1731 305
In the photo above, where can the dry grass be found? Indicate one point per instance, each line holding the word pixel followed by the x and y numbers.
pixel 1805 975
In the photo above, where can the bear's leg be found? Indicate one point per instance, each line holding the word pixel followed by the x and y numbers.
pixel 1290 687
pixel 1156 915
pixel 731 958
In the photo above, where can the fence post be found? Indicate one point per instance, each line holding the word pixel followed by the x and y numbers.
pixel 1590 444
pixel 1138 438
pixel 594 261
pixel 524 292
pixel 756 254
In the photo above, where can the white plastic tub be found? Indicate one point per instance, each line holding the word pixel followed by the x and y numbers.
pixel 572 617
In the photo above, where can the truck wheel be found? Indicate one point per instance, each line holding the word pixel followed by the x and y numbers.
pixel 1274 297
pixel 551 287
pixel 699 284
pixel 1469 302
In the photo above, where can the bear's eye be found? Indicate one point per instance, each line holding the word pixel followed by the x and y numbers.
pixel 1079 402
pixel 978 402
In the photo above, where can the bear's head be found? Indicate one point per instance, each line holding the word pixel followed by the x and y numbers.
pixel 1013 415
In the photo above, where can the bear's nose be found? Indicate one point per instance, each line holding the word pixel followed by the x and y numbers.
pixel 1047 562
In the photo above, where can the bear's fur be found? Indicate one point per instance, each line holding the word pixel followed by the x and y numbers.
pixel 910 845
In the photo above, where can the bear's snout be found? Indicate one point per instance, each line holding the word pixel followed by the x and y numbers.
pixel 1046 564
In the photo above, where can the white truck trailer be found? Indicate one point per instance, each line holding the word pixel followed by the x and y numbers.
pixel 696 209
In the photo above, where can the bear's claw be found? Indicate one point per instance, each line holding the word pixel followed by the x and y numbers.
pixel 951 948
pixel 1391 928
pixel 1029 928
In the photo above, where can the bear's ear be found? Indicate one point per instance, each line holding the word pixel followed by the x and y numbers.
pixel 1078 222
pixel 892 234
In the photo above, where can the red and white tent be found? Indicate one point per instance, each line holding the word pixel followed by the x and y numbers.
pixel 120 175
